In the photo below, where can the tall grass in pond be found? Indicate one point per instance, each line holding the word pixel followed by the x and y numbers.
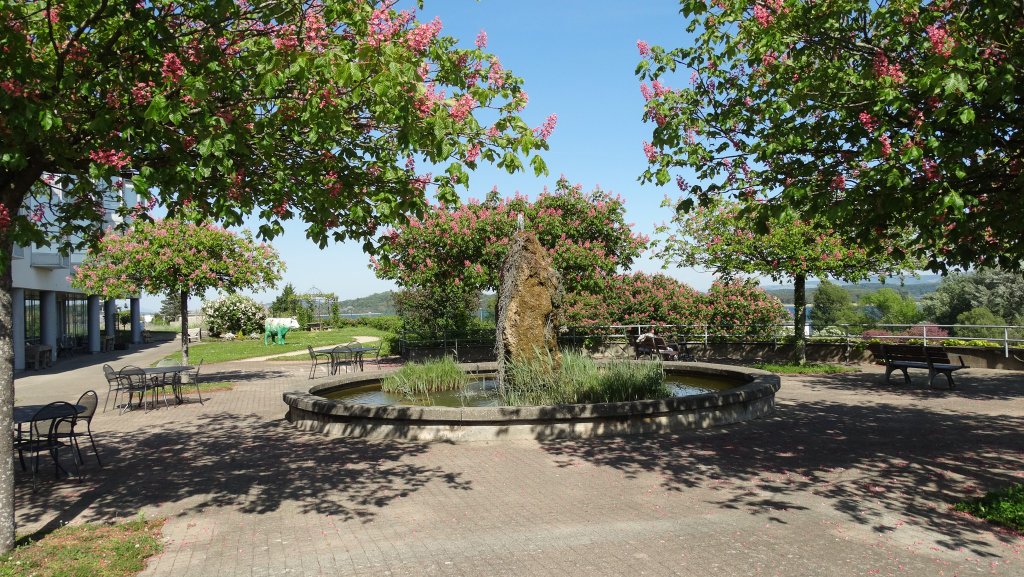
pixel 421 379
pixel 581 380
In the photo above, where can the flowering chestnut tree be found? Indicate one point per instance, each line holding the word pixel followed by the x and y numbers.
pixel 586 234
pixel 634 299
pixel 860 113
pixel 312 109
pixel 175 257
pixel 721 237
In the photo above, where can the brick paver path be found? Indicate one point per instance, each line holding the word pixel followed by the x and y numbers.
pixel 847 478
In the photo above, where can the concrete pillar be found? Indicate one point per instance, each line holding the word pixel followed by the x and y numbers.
pixel 136 321
pixel 110 316
pixel 94 324
pixel 48 321
pixel 18 327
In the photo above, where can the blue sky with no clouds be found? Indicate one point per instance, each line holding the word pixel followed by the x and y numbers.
pixel 577 58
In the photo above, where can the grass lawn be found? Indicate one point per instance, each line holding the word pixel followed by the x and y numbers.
pixel 806 369
pixel 1004 507
pixel 211 387
pixel 218 351
pixel 91 549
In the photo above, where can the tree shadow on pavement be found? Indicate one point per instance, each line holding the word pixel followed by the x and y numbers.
pixel 873 463
pixel 988 386
pixel 228 461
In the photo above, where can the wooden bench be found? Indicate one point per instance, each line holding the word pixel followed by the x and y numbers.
pixel 935 359
pixel 656 347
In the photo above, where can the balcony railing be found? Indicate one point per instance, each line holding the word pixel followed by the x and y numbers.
pixel 50 260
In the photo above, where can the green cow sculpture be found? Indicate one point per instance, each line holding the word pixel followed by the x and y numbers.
pixel 274 329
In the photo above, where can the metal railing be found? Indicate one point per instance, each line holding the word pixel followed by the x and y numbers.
pixel 1003 336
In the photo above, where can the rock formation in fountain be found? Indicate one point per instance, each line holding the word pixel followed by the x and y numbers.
pixel 529 304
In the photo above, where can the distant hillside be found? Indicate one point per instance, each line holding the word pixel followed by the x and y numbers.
pixel 916 288
pixel 379 303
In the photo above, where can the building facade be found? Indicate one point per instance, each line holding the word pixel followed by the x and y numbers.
pixel 52 318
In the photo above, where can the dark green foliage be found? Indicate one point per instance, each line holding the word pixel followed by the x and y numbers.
pixel 418 379
pixel 379 303
pixel 999 291
pixel 893 307
pixel 170 308
pixel 580 380
pixel 979 316
pixel 1004 507
pixel 831 305
pixel 284 304
pixel 437 310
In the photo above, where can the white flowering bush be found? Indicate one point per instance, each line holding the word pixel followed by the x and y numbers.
pixel 234 314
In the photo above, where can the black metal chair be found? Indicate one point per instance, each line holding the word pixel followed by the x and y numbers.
pixel 319 359
pixel 115 384
pixel 73 430
pixel 193 379
pixel 44 436
pixel 342 356
pixel 137 381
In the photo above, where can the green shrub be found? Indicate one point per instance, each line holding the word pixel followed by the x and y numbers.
pixel 234 314
pixel 1004 507
pixel 389 323
pixel 581 380
pixel 419 379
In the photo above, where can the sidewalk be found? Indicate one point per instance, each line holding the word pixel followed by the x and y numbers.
pixel 847 478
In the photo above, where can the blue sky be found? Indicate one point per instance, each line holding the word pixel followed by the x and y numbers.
pixel 577 59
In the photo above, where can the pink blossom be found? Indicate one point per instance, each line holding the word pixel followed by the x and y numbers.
pixel 839 182
pixel 942 44
pixel 419 38
pixel 110 158
pixel 644 48
pixel 769 58
pixel 868 122
pixel 885 69
pixel 651 152
pixel 544 131
pixel 462 107
pixel 646 91
pixel 931 169
pixel 481 40
pixel 886 145
pixel 473 153
pixel 496 75
pixel 763 16
pixel 172 70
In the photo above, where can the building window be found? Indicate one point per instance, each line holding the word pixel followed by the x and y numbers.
pixel 32 318
pixel 76 316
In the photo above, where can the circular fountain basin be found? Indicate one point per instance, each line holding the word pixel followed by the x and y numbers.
pixel 740 394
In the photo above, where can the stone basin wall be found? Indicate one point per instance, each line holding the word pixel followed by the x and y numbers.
pixel 754 397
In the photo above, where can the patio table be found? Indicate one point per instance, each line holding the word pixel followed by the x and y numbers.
pixel 27 413
pixel 175 372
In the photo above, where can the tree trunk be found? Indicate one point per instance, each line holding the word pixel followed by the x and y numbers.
pixel 800 317
pixel 6 399
pixel 184 328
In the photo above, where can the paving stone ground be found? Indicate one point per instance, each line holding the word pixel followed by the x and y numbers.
pixel 849 477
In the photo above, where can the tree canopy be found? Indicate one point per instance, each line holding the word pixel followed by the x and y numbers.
pixel 586 234
pixel 171 256
pixel 861 113
pixel 832 305
pixel 722 237
pixel 1001 292
pixel 317 110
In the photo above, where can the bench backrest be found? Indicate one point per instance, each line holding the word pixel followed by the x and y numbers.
pixel 915 354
